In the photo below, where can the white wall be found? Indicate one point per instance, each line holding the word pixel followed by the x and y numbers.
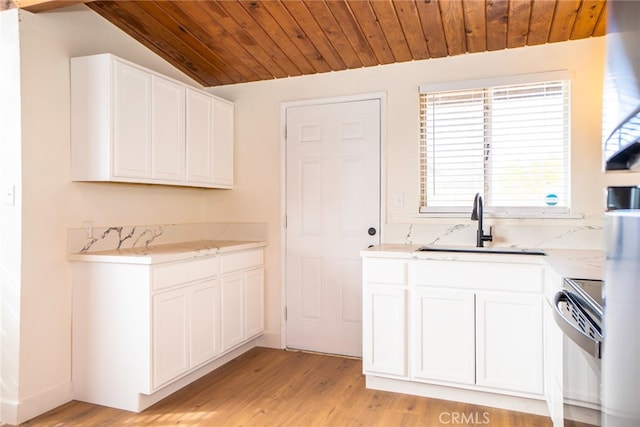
pixel 37 330
pixel 10 221
pixel 258 143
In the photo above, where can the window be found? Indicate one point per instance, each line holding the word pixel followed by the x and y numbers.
pixel 508 142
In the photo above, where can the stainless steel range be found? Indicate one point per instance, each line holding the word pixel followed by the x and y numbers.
pixel 578 312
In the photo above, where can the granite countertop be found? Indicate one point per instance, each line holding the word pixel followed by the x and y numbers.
pixel 575 263
pixel 154 254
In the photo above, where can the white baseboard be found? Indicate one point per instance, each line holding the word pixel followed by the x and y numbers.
pixel 521 404
pixel 271 340
pixel 583 414
pixel 14 413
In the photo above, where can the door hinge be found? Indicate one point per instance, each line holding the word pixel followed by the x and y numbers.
pixel 285 221
pixel 285 314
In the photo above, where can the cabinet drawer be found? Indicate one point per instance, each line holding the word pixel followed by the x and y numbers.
pixel 477 275
pixel 241 260
pixel 388 272
pixel 173 274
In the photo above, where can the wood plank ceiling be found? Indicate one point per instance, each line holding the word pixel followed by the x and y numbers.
pixel 236 41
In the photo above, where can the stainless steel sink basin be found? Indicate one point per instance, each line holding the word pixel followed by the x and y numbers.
pixel 483 250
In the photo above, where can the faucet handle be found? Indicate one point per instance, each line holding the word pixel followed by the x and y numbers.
pixel 488 237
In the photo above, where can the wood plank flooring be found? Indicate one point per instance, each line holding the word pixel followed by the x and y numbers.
pixel 269 387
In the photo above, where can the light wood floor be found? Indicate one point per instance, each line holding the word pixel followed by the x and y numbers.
pixel 267 387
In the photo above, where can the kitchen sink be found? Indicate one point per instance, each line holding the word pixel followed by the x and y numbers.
pixel 482 250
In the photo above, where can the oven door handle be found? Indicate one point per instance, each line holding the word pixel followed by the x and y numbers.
pixel 587 343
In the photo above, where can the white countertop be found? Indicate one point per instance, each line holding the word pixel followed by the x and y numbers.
pixel 167 252
pixel 575 263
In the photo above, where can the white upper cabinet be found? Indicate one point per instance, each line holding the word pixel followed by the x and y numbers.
pixel 167 130
pixel 199 136
pixel 209 139
pixel 223 125
pixel 130 124
pixel 132 121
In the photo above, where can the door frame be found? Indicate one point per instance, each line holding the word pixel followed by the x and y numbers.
pixel 382 97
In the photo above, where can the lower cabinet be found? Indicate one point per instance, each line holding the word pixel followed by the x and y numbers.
pixel 509 341
pixel 475 325
pixel 186 329
pixel 232 296
pixel 385 330
pixel 384 324
pixel 140 329
pixel 444 335
pixel 204 334
pixel 170 335
pixel 488 339
pixel 242 296
pixel 253 302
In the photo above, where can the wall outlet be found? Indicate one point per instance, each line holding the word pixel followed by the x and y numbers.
pixel 88 229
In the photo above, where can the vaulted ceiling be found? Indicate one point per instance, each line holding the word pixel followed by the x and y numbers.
pixel 236 41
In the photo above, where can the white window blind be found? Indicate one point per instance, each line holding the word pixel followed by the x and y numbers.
pixel 509 143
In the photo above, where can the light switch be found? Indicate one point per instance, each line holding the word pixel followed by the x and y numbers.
pixel 398 200
pixel 9 193
pixel 88 229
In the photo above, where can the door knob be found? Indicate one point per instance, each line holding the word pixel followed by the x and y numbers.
pixel 372 231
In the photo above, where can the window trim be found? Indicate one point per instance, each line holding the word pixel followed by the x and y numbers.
pixel 511 212
pixel 495 81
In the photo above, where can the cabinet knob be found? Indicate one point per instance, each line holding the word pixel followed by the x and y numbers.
pixel 372 231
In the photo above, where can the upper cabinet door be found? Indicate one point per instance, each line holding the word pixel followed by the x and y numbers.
pixel 209 144
pixel 167 130
pixel 223 134
pixel 199 137
pixel 131 122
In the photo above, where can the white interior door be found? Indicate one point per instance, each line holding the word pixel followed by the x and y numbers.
pixel 333 212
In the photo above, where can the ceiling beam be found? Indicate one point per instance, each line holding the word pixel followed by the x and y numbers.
pixel 36 6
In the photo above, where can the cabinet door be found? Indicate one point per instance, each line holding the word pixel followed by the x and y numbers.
pixel 509 341
pixel 131 122
pixel 223 134
pixel 204 343
pixel 168 131
pixel 582 373
pixel 384 333
pixel 199 137
pixel 253 303
pixel 553 336
pixel 443 335
pixel 232 300
pixel 170 335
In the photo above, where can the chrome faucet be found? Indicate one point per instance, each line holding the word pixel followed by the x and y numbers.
pixel 476 215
